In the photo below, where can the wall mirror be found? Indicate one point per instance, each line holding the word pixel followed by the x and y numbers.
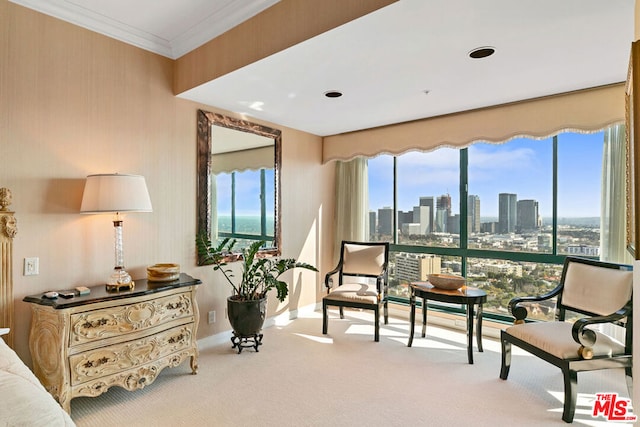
pixel 238 194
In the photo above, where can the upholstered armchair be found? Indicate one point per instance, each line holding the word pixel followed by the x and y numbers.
pixel 360 263
pixel 597 293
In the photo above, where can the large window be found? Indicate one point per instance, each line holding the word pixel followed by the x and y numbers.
pixel 503 215
pixel 243 200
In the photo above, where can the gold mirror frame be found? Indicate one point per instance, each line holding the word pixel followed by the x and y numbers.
pixel 206 119
pixel 632 109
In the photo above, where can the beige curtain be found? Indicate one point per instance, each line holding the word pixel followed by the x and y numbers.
pixel 613 205
pixel 352 202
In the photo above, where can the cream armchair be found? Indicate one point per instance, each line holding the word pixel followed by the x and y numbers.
pixel 599 293
pixel 359 262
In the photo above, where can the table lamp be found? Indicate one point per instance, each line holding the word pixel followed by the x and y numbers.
pixel 116 193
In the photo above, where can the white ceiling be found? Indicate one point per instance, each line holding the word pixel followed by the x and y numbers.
pixel 384 62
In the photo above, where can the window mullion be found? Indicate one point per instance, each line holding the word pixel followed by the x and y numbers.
pixel 464 208
pixel 263 204
pixel 394 232
pixel 554 205
pixel 233 202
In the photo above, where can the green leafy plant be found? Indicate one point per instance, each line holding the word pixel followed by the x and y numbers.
pixel 259 274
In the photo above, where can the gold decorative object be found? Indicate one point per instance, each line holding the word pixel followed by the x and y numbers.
pixel 163 272
pixel 446 281
pixel 5 199
pixel 8 230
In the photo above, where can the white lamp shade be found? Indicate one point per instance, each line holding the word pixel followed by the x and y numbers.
pixel 108 193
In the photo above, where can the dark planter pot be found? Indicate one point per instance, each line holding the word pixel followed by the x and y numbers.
pixel 247 317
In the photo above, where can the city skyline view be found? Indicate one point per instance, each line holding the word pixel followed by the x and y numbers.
pixel 522 167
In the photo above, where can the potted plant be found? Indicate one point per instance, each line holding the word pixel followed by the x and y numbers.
pixel 246 307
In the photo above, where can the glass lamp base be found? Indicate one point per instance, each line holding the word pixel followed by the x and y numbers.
pixel 120 280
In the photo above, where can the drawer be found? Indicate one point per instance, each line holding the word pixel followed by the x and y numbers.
pixel 118 320
pixel 115 358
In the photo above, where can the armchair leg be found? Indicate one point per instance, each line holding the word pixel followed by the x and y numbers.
pixel 325 320
pixel 376 337
pixel 570 394
pixel 386 313
pixel 506 359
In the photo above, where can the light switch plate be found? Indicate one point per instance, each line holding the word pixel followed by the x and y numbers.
pixel 31 266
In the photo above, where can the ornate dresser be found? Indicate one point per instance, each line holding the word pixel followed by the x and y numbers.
pixel 83 345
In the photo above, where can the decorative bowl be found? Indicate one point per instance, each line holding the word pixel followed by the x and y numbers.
pixel 163 272
pixel 446 281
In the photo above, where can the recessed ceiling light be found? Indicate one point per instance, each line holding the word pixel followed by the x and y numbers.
pixel 333 94
pixel 482 52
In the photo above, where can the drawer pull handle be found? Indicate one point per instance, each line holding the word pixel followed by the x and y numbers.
pixel 95 323
pixel 174 305
pixel 176 339
pixel 96 363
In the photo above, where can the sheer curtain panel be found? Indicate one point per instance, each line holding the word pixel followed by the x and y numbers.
pixel 352 202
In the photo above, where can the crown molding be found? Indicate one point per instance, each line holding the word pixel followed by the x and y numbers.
pixel 219 21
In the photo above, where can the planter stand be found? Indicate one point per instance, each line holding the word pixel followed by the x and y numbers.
pixel 241 342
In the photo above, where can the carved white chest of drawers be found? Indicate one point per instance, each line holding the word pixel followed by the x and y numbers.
pixel 84 345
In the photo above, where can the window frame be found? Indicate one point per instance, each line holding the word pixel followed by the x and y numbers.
pixel 463 251
pixel 263 213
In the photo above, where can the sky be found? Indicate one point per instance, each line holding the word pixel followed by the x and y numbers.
pixel 521 166
pixel 247 193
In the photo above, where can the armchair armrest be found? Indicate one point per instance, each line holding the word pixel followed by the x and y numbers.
pixel 520 312
pixel 328 282
pixel 587 337
pixel 382 283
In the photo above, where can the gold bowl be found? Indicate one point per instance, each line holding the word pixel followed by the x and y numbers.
pixel 163 272
pixel 446 281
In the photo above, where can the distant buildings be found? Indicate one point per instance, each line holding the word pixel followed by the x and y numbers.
pixel 385 221
pixel 433 215
pixel 528 218
pixel 416 267
pixel 473 213
pixel 507 213
pixel 583 250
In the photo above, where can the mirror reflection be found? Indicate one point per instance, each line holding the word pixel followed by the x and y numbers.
pixel 238 181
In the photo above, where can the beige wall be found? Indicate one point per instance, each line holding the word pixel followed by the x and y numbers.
pixel 72 103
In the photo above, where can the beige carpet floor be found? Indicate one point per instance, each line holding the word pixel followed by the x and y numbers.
pixel 303 378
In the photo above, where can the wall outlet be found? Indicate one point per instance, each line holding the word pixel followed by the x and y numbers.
pixel 31 266
pixel 212 317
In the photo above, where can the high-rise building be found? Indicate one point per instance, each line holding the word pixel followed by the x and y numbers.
pixel 440 224
pixel 453 224
pixel 422 216
pixel 527 215
pixel 507 212
pixel 385 221
pixel 473 211
pixel 444 202
pixel 428 201
pixel 404 218
pixel 373 226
